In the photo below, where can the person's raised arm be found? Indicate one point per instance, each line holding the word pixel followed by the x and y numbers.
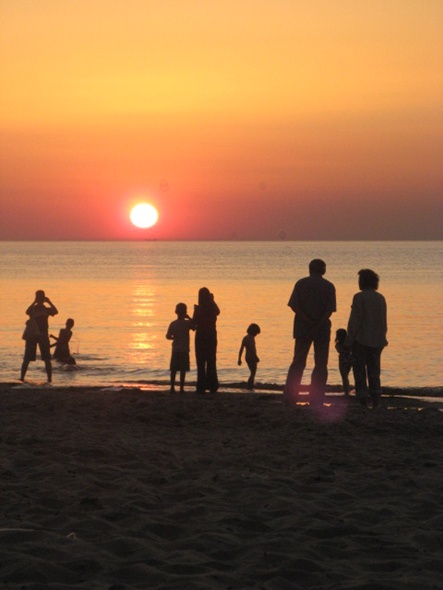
pixel 53 309
pixel 30 308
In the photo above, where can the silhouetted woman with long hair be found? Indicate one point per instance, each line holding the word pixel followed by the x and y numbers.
pixel 367 328
pixel 204 321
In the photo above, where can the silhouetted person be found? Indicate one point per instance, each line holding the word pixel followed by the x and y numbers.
pixel 204 321
pixel 313 302
pixel 178 332
pixel 62 352
pixel 367 329
pixel 251 358
pixel 345 359
pixel 39 313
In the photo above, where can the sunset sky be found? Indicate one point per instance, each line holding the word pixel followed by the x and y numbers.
pixel 236 119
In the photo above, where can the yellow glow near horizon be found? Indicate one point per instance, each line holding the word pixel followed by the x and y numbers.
pixel 80 60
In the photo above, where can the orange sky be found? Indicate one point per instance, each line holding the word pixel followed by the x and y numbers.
pixel 235 118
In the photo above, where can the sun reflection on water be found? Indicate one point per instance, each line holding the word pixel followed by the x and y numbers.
pixel 143 337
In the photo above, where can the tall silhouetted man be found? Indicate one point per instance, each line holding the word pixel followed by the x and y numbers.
pixel 313 302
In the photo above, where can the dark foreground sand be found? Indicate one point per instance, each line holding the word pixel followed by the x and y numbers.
pixel 120 490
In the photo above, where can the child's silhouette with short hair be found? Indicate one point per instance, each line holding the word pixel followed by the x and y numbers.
pixel 178 332
pixel 248 345
pixel 62 352
pixel 345 359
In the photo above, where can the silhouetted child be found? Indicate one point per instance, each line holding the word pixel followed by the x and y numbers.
pixel 345 359
pixel 62 352
pixel 248 345
pixel 178 332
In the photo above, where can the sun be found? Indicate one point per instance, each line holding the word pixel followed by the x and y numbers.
pixel 144 215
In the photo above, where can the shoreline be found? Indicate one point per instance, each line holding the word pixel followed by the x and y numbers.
pixel 233 387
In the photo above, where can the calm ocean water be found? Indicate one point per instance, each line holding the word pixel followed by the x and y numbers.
pixel 122 296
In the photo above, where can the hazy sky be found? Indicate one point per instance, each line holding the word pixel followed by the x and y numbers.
pixel 314 119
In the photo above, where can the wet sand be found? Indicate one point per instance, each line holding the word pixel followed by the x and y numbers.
pixel 128 489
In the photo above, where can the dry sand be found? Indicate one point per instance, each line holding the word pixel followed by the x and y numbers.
pixel 121 490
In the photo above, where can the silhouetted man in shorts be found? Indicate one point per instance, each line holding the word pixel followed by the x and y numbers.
pixel 39 311
pixel 313 302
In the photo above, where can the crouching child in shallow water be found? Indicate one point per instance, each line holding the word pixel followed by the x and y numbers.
pixel 62 352
pixel 178 332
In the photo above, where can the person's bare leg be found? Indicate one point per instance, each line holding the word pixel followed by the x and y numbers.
pixel 48 367
pixel 25 365
pixel 173 374
pixel 182 381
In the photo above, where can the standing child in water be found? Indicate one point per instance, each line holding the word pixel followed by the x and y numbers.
pixel 62 352
pixel 248 345
pixel 345 360
pixel 178 332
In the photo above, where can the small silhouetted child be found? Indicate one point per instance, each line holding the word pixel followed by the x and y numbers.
pixel 62 352
pixel 178 332
pixel 345 359
pixel 248 345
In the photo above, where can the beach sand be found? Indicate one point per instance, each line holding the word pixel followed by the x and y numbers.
pixel 126 489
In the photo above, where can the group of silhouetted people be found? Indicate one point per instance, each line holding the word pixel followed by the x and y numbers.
pixel 204 322
pixel 313 301
pixel 36 333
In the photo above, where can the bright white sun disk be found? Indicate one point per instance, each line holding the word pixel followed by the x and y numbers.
pixel 144 215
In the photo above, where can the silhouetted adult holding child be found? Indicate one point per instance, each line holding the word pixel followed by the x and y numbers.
pixel 204 321
pixel 36 332
pixel 367 329
pixel 62 352
pixel 313 302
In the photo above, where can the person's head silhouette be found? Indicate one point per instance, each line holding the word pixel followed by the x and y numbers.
pixel 253 330
pixel 317 267
pixel 368 279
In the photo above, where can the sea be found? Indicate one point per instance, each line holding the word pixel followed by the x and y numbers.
pixel 122 297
